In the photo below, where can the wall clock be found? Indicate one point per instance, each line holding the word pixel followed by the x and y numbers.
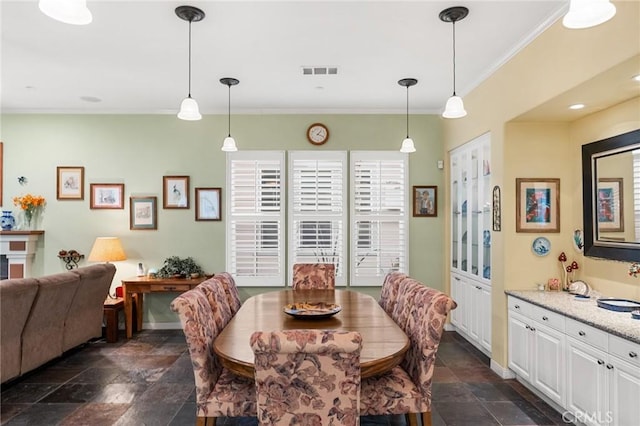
pixel 317 133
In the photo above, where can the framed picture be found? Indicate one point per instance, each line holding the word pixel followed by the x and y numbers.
pixel 143 213
pixel 537 205
pixel 70 183
pixel 175 191
pixel 208 204
pixel 497 209
pixel 425 201
pixel 106 196
pixel 610 205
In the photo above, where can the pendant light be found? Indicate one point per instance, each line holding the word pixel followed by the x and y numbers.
pixel 73 12
pixel 229 143
pixel 588 13
pixel 455 106
pixel 407 143
pixel 189 108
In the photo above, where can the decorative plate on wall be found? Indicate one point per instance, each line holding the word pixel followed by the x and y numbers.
pixel 541 246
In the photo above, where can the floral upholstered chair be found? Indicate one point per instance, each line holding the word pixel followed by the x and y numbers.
pixel 307 377
pixel 218 391
pixel 389 291
pixel 217 298
pixel 307 276
pixel 405 303
pixel 231 290
pixel 406 389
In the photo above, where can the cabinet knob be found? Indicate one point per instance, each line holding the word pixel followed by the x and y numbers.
pixel 581 333
pixel 517 306
pixel 532 329
pixel 609 367
pixel 633 354
pixel 456 278
pixel 527 327
pixel 545 318
pixel 478 287
pixel 600 362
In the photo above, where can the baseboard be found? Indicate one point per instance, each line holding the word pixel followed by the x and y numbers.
pixel 161 326
pixel 504 373
pixel 449 327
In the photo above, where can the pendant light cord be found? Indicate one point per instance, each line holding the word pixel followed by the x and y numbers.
pixel 454 58
pixel 229 115
pixel 190 57
pixel 407 112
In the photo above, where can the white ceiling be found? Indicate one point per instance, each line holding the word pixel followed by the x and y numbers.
pixel 133 57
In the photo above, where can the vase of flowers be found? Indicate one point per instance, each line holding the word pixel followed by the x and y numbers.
pixel 31 205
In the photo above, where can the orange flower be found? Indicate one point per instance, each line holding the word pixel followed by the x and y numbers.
pixel 29 203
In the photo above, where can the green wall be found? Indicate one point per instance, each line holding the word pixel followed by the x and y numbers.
pixel 138 150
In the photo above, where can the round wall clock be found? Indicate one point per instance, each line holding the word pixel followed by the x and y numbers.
pixel 317 133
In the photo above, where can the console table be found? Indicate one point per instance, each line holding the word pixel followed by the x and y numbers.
pixel 19 249
pixel 134 288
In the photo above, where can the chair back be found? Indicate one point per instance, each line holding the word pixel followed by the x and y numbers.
pixel 231 289
pixel 200 330
pixel 405 303
pixel 217 298
pixel 389 291
pixel 310 276
pixel 307 377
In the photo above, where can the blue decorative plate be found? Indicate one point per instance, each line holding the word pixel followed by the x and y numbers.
pixel 541 246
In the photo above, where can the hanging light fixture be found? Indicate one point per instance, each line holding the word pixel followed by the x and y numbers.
pixel 229 143
pixel 73 12
pixel 189 108
pixel 455 106
pixel 588 13
pixel 407 143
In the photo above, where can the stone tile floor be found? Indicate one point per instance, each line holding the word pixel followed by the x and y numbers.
pixel 148 380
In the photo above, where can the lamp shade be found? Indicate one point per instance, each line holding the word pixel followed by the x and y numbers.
pixel 189 110
pixel 588 13
pixel 408 146
pixel 73 12
pixel 229 144
pixel 454 108
pixel 107 249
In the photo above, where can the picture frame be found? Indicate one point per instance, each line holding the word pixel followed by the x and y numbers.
pixel 106 196
pixel 537 205
pixel 610 205
pixel 143 213
pixel 497 209
pixel 425 201
pixel 208 204
pixel 70 183
pixel 175 192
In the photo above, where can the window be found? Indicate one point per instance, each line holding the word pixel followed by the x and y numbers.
pixel 379 215
pixel 318 209
pixel 636 191
pixel 255 218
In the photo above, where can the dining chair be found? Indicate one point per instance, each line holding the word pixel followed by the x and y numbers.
pixel 308 276
pixel 407 290
pixel 389 291
pixel 307 377
pixel 217 298
pixel 231 289
pixel 406 389
pixel 218 391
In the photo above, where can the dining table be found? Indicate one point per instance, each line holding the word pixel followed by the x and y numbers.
pixel 384 343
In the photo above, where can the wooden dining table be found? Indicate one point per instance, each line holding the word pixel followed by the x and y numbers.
pixel 383 342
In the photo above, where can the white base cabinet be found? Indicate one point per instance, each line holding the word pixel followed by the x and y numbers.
pixel 593 375
pixel 472 317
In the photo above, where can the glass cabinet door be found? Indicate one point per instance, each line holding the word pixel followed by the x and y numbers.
pixel 455 211
pixel 464 212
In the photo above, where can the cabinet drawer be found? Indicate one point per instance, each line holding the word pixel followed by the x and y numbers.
pixel 520 306
pixel 169 287
pixel 548 318
pixel 585 333
pixel 625 349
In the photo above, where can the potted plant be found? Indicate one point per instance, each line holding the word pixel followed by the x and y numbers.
pixel 174 266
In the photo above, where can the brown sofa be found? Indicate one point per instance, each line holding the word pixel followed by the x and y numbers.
pixel 41 318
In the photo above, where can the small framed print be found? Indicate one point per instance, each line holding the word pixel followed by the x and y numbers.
pixel 537 205
pixel 175 192
pixel 425 201
pixel 70 183
pixel 143 213
pixel 610 205
pixel 106 196
pixel 208 204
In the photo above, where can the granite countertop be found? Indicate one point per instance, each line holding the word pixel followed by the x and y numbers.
pixel 617 323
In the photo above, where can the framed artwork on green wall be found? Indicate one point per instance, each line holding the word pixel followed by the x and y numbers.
pixel 143 213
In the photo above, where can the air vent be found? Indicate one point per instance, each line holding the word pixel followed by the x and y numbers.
pixel 319 70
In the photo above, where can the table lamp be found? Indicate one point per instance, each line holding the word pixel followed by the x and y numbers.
pixel 107 249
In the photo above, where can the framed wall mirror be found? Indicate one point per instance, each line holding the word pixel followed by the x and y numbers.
pixel 611 197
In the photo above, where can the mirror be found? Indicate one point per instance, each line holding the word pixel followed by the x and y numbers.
pixel 611 197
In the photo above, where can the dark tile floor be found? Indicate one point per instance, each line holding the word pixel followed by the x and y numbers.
pixel 148 380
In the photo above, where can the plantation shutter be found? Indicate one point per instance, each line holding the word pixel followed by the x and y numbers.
pixel 255 217
pixel 636 191
pixel 379 215
pixel 318 209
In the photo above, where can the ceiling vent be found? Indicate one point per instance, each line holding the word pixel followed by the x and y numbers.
pixel 319 70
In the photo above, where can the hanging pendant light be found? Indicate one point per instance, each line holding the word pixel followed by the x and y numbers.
pixel 73 12
pixel 407 143
pixel 588 13
pixel 229 143
pixel 455 106
pixel 189 108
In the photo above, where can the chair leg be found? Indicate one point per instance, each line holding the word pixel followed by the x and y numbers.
pixel 412 419
pixel 426 418
pixel 205 421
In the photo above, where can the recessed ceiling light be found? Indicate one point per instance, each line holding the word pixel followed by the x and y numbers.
pixel 636 77
pixel 576 106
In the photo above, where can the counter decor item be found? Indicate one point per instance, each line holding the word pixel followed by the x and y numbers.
pixel 580 288
pixel 8 221
pixel 634 269
pixel 31 206
pixel 553 284
pixel 619 305
pixel 635 314
pixel 568 272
